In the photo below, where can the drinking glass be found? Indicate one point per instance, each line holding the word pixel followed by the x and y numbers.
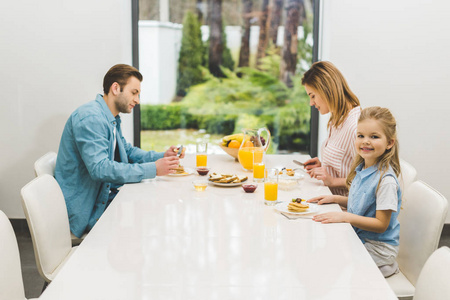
pixel 258 165
pixel 202 148
pixel 271 187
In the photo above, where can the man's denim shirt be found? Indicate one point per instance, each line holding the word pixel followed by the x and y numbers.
pixel 85 167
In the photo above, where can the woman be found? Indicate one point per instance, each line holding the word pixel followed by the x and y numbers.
pixel 329 93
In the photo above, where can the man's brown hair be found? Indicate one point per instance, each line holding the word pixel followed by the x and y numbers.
pixel 120 73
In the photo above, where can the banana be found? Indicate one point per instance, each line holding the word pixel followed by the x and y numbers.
pixel 238 137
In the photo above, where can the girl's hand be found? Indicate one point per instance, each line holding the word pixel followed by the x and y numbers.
pixel 331 217
pixel 312 163
pixel 322 174
pixel 322 199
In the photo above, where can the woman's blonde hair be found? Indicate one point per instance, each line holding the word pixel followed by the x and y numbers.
pixel 390 157
pixel 332 87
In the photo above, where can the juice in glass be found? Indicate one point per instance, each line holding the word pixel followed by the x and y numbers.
pixel 201 160
pixel 202 149
pixel 258 172
pixel 270 192
pixel 271 187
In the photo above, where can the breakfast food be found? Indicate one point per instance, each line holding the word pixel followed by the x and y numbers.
pixel 226 178
pixel 202 171
pixel 288 172
pixel 249 188
pixel 297 206
pixel 180 170
pixel 183 149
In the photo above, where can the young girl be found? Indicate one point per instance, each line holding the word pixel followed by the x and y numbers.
pixel 374 198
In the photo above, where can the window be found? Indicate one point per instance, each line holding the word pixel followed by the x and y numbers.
pixel 177 109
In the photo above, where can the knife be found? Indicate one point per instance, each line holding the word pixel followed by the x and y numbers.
pixel 299 163
pixel 180 150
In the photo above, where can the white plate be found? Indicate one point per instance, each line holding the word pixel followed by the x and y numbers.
pixel 227 184
pixel 188 171
pixel 283 207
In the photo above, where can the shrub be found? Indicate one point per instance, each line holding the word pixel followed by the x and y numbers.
pixel 191 52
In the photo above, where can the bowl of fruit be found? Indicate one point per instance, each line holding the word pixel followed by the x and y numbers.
pixel 231 143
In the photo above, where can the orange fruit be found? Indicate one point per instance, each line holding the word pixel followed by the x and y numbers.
pixel 248 144
pixel 234 144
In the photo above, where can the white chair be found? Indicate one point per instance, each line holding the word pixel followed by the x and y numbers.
pixel 11 283
pixel 421 220
pixel 46 213
pixel 46 164
pixel 407 176
pixel 433 279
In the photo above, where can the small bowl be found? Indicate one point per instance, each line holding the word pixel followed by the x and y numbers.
pixel 202 171
pixel 249 187
pixel 286 182
pixel 200 185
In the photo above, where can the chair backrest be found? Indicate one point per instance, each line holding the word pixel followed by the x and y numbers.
pixel 433 279
pixel 421 220
pixel 407 176
pixel 46 164
pixel 46 213
pixel 11 283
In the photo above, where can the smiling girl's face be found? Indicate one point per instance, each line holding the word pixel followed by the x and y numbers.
pixel 316 100
pixel 371 142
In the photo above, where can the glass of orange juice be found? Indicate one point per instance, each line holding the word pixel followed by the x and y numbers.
pixel 202 157
pixel 258 165
pixel 271 187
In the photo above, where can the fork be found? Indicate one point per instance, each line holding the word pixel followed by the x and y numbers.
pixel 180 150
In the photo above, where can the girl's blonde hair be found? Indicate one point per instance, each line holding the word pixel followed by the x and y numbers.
pixel 390 157
pixel 332 87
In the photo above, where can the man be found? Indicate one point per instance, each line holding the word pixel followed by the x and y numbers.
pixel 94 159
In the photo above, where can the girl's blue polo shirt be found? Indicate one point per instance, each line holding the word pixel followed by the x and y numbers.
pixel 362 201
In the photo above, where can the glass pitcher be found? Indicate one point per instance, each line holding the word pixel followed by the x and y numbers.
pixel 253 147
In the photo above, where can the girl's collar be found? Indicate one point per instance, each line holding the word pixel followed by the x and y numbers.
pixel 368 171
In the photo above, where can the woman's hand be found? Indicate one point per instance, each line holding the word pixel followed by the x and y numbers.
pixel 312 163
pixel 322 199
pixel 322 174
pixel 331 217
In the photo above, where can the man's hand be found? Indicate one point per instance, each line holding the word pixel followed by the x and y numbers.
pixel 312 163
pixel 173 151
pixel 166 165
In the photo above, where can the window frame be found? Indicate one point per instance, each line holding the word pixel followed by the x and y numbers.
pixel 314 121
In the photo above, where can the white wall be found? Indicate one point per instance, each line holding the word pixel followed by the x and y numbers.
pixel 53 56
pixel 395 54
pixel 159 46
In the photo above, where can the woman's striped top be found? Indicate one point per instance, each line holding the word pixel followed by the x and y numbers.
pixel 338 150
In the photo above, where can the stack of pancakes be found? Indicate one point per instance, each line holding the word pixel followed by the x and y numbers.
pixel 297 207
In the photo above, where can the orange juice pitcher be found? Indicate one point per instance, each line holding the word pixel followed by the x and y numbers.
pixel 253 146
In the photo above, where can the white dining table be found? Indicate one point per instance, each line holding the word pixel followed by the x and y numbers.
pixel 162 239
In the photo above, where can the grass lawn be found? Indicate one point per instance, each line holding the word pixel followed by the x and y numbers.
pixel 161 140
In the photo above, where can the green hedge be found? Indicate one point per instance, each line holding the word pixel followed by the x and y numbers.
pixel 174 116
